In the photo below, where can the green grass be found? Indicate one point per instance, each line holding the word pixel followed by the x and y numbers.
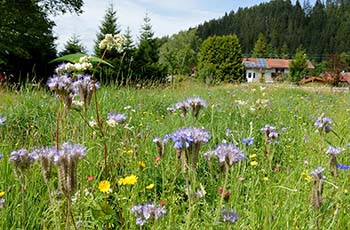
pixel 263 197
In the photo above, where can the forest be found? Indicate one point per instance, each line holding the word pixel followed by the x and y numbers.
pixel 321 29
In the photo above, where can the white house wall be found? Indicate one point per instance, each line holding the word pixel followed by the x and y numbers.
pixel 250 73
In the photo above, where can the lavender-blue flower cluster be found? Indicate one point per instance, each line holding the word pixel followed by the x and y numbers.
pixel 334 151
pixel 22 159
pixel 186 137
pixel 270 132
pixel 317 174
pixel 323 123
pixel 229 216
pixel 194 103
pixel 226 153
pixel 114 118
pixel 146 212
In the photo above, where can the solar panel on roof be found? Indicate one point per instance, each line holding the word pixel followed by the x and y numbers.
pixel 262 63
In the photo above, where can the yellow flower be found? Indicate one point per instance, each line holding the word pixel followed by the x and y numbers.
pixel 251 156
pixel 345 191
pixel 266 178
pixel 141 164
pixel 132 179
pixel 2 194
pixel 104 186
pixel 253 163
pixel 149 187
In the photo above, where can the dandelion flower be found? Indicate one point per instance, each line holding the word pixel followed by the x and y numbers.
pixel 253 163
pixel 104 186
pixel 251 156
pixel 149 187
pixel 141 164
pixel 2 194
pixel 129 180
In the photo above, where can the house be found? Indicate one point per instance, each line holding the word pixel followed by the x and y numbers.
pixel 268 68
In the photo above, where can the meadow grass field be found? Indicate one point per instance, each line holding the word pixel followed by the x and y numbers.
pixel 277 185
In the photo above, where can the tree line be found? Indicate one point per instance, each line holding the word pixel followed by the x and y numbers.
pixel 213 50
pixel 321 29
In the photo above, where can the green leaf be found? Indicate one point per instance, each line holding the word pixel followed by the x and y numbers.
pixel 74 58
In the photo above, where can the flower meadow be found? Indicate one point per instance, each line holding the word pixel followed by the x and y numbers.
pixel 80 155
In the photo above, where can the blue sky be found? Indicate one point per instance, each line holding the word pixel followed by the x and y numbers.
pixel 167 16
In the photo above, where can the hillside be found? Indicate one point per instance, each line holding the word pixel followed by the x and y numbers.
pixel 321 29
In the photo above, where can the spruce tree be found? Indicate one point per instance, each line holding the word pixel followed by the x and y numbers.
pixel 260 47
pixel 109 26
pixel 146 66
pixel 72 46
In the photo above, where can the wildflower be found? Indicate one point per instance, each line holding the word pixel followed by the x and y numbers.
pixel 196 103
pixel 46 156
pixel 160 145
pixel 1 156
pixel 187 142
pixel 2 202
pixel 225 193
pixel 84 87
pixel 141 164
pixel 334 151
pixel 200 193
pixel 265 178
pixel 323 124
pixel 60 84
pixel 114 119
pixel 146 212
pixel 333 163
pixel 316 195
pixel 90 178
pixel 229 216
pixel 129 180
pixel 270 132
pixel 252 156
pixel 343 167
pixel 2 194
pixel 22 160
pixel 184 107
pixel 248 141
pixel 253 163
pixel 150 186
pixel 92 123
pixel 227 132
pixel 66 159
pixel 226 153
pixel 112 42
pixel 2 120
pixel 104 186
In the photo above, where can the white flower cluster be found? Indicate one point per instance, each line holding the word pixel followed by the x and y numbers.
pixel 83 65
pixel 112 42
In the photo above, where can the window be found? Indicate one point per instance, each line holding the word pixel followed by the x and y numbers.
pixel 253 75
pixel 249 75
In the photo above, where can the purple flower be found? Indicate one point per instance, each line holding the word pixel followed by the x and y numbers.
pixel 317 174
pixel 229 216
pixel 333 151
pixel 60 84
pixel 186 137
pixel 270 132
pixel 61 68
pixel 343 167
pixel 83 87
pixel 114 119
pixel 227 132
pixel 1 156
pixel 147 211
pixel 226 153
pixel 22 159
pixel 323 123
pixel 248 141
